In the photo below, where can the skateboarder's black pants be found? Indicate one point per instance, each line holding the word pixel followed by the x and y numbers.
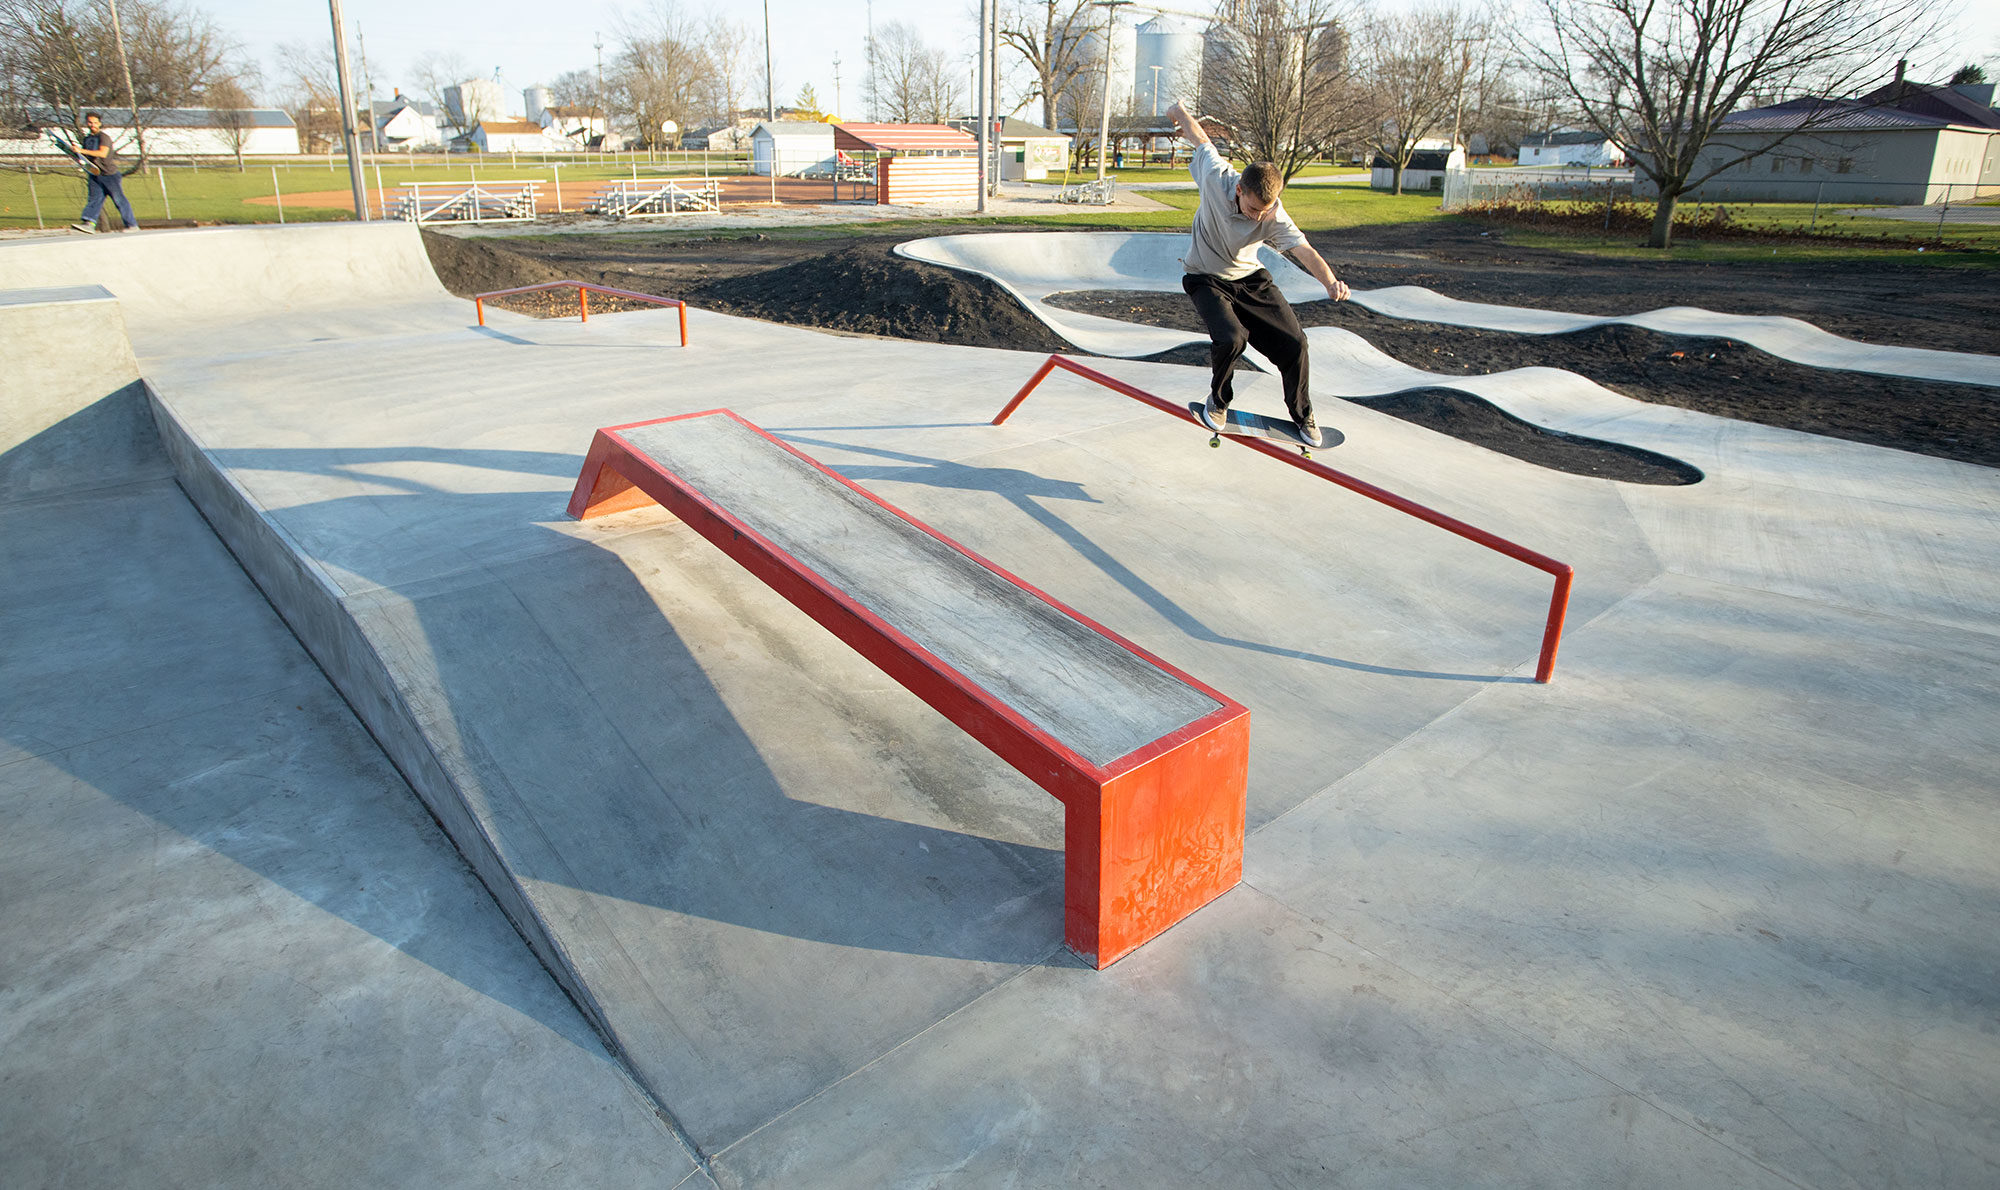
pixel 1251 312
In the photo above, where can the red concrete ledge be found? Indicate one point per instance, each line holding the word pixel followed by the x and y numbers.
pixel 1151 766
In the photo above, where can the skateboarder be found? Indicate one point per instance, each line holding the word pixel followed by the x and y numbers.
pixel 1238 301
pixel 103 179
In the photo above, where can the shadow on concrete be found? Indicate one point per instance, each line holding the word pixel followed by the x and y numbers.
pixel 1025 490
pixel 611 764
pixel 151 596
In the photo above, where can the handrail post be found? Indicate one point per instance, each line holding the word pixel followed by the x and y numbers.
pixel 683 307
pixel 583 301
pixel 1041 374
pixel 479 304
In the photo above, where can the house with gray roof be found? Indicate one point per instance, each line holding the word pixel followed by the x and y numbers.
pixel 1898 149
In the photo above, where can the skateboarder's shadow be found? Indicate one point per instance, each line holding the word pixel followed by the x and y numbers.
pixel 1025 490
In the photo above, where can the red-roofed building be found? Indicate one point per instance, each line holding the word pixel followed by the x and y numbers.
pixel 904 140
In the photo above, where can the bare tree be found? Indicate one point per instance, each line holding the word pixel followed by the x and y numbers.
pixel 435 74
pixel 665 72
pixel 309 87
pixel 1048 35
pixel 910 83
pixel 1658 79
pixel 1417 67
pixel 1280 75
pixel 233 116
pixel 60 55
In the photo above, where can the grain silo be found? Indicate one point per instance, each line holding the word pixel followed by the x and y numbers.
pixel 1167 67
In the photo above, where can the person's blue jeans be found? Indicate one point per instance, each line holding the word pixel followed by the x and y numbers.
pixel 104 186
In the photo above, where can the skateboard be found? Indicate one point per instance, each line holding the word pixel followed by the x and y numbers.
pixel 1256 425
pixel 86 164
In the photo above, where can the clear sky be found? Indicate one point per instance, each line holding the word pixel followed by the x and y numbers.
pixel 532 42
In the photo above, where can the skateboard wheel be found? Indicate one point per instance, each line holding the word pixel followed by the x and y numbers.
pixel 1215 441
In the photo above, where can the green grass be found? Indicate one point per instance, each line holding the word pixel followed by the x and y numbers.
pixel 219 194
pixel 1333 207
pixel 1976 245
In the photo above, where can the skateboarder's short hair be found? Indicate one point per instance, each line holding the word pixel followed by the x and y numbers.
pixel 1263 180
pixel 97 116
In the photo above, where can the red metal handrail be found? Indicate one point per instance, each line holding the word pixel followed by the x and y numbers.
pixel 583 291
pixel 1564 575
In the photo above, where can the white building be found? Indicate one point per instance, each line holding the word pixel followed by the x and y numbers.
pixel 407 125
pixel 791 147
pixel 513 136
pixel 1571 146
pixel 1425 171
pixel 171 132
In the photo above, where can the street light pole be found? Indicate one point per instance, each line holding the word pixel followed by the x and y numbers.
pixel 1155 68
pixel 1110 8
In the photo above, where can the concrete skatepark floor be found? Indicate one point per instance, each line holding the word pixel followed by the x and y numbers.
pixel 1715 907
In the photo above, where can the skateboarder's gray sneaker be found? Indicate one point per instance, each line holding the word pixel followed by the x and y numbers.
pixel 86 228
pixel 1309 430
pixel 1214 416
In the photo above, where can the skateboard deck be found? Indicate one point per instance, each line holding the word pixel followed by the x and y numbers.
pixel 1256 425
pixel 69 149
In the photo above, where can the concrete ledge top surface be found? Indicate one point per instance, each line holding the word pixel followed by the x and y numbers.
pixel 1085 689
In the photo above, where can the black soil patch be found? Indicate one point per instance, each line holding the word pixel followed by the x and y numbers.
pixel 1718 376
pixel 852 282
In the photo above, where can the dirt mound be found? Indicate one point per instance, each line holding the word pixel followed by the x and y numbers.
pixel 471 266
pixel 869 290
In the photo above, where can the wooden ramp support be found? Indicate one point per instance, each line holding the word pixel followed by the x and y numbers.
pixel 1151 766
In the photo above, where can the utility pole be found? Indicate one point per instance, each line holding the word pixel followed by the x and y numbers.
pixel 367 86
pixel 604 113
pixel 836 84
pixel 993 88
pixel 980 100
pixel 770 105
pixel 125 68
pixel 347 111
pixel 1110 8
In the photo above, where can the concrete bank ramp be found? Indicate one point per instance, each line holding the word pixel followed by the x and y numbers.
pixel 1034 266
pixel 237 950
pixel 219 289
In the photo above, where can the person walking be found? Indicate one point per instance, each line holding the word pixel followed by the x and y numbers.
pixel 104 181
pixel 1239 303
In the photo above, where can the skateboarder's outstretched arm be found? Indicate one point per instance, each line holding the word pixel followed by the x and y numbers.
pixel 1190 127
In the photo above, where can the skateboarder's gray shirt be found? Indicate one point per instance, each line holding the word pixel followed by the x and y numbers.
pixel 1224 242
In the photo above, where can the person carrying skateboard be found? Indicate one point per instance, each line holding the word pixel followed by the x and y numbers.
pixel 1238 301
pixel 103 179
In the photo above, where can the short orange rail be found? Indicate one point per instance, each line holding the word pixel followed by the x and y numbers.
pixel 583 291
pixel 1564 575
